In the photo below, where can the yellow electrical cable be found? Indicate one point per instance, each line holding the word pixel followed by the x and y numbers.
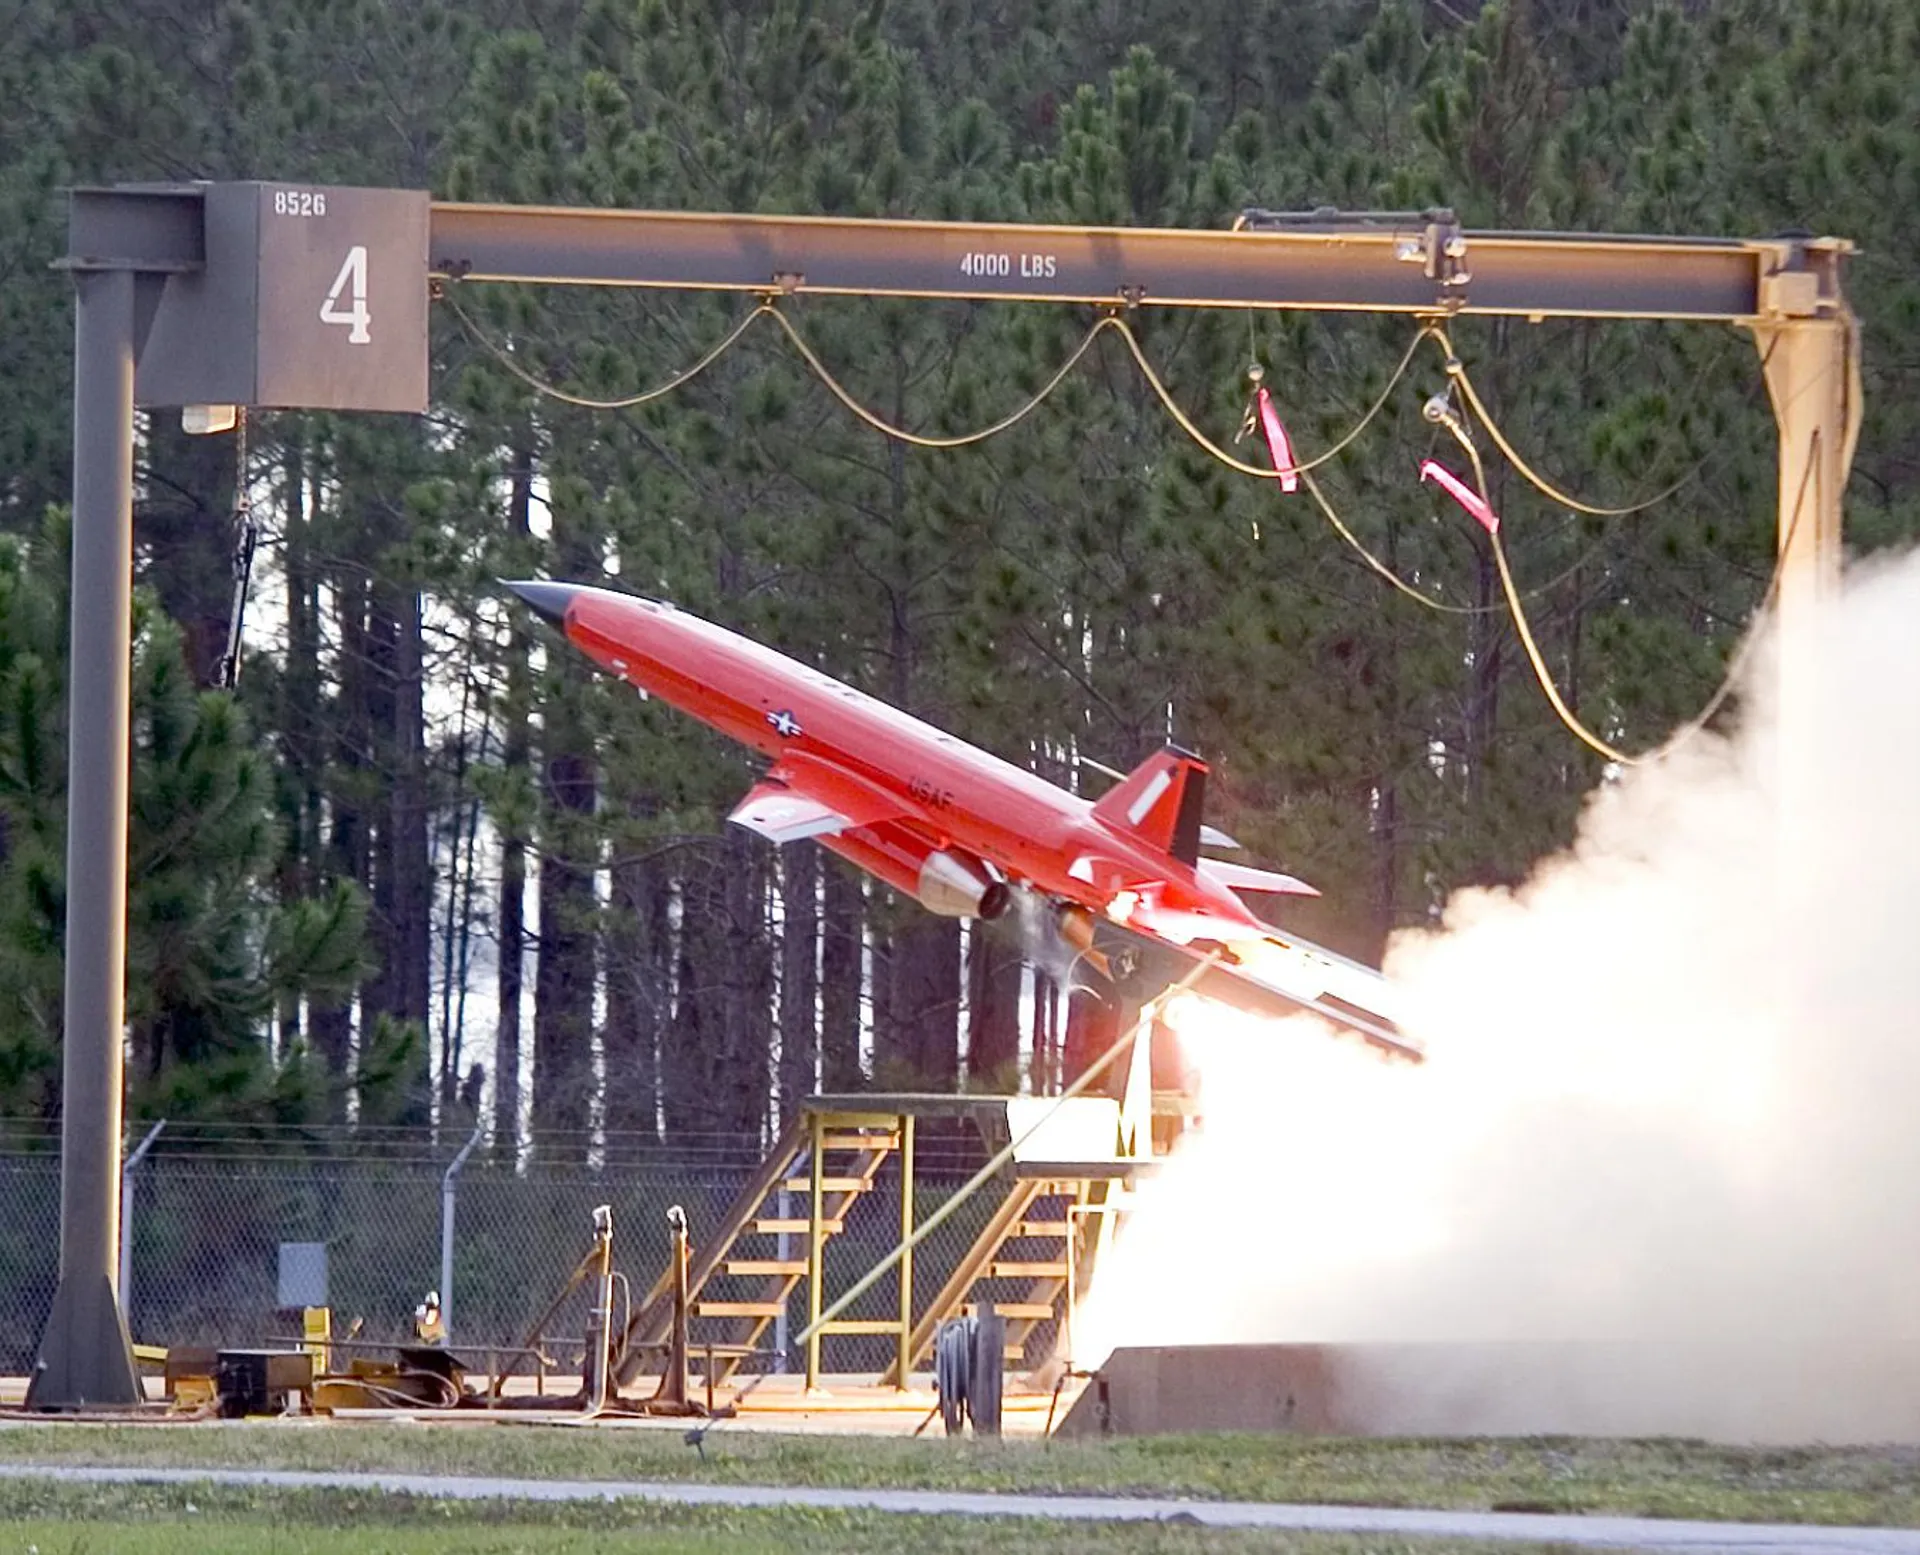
pixel 1187 424
pixel 1457 371
pixel 1538 661
pixel 917 440
pixel 1305 470
pixel 627 402
pixel 1541 673
pixel 1518 611
pixel 1373 561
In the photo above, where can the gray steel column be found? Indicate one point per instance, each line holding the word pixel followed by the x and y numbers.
pixel 85 1355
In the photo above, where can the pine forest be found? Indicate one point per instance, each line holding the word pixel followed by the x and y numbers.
pixel 421 865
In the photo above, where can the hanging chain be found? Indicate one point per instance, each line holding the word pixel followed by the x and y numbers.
pixel 246 538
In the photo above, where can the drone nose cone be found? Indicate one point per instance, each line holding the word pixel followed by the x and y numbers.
pixel 548 599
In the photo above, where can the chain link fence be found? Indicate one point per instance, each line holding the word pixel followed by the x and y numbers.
pixel 206 1216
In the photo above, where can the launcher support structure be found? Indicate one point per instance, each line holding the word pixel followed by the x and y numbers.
pixel 282 295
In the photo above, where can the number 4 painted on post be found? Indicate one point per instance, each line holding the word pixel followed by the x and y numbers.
pixel 350 286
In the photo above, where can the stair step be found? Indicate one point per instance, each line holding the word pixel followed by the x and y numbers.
pixel 1017 1311
pixel 781 1266
pixel 1038 1228
pixel 860 1142
pixel 738 1308
pixel 773 1227
pixel 861 1325
pixel 1013 1269
pixel 829 1184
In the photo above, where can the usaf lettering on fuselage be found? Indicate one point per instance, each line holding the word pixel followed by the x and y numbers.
pixel 929 793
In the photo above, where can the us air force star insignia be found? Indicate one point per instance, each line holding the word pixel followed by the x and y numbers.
pixel 784 724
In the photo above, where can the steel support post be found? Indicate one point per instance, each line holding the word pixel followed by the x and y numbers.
pixel 1813 377
pixel 86 1357
pixel 904 1347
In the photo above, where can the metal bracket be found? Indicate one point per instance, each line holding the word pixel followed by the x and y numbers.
pixel 1441 250
pixel 1793 294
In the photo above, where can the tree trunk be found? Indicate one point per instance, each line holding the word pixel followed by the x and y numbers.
pixel 639 955
pixel 684 1098
pixel 746 1082
pixel 1093 1025
pixel 924 1014
pixel 410 850
pixel 349 850
pixel 564 981
pixel 1045 1079
pixel 516 754
pixel 995 970
pixel 302 793
pixel 799 974
pixel 843 927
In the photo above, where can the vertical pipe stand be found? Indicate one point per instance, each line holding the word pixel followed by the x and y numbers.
pixel 126 1214
pixel 447 1197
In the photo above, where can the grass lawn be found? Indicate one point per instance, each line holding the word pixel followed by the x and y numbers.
pixel 1636 1478
pixel 175 1520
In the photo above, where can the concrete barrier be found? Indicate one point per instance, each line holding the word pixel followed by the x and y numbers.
pixel 1750 1392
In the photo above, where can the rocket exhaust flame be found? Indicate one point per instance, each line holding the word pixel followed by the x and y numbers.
pixel 1668 1103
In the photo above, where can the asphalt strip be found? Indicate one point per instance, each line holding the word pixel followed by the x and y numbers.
pixel 1617 1533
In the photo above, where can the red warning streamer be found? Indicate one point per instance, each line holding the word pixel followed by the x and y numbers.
pixel 1462 493
pixel 1278 446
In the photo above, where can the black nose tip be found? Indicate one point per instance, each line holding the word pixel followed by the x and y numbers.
pixel 548 599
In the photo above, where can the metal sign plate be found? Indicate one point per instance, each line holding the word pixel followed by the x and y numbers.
pixel 311 297
pixel 342 300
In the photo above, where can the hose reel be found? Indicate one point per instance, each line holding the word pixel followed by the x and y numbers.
pixel 968 1354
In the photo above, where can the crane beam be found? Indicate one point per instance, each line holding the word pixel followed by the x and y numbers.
pixel 1420 263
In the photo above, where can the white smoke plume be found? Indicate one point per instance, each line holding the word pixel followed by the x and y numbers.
pixel 1670 1120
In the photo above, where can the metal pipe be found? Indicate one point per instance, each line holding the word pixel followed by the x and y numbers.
pixel 126 1214
pixel 904 1346
pixel 85 1354
pixel 671 1396
pixel 782 1250
pixel 600 1323
pixel 446 1229
pixel 816 1210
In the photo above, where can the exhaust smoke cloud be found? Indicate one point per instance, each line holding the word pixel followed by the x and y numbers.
pixel 1669 1126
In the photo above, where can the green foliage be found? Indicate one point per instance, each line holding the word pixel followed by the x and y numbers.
pixel 209 953
pixel 1667 1478
pixel 1080 586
